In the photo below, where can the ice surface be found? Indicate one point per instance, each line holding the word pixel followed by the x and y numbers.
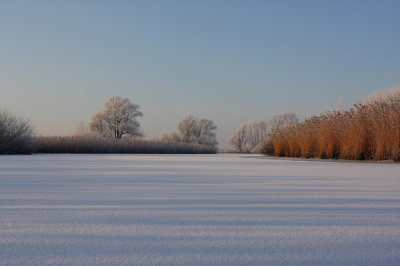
pixel 197 210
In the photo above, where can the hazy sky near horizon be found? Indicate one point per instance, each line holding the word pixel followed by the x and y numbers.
pixel 229 61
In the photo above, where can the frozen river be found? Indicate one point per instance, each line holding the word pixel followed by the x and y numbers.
pixel 197 210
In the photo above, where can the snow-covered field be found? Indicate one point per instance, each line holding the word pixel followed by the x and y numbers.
pixel 197 210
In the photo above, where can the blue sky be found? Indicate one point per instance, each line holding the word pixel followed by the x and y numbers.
pixel 229 61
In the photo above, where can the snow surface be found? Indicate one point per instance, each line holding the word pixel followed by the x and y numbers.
pixel 197 210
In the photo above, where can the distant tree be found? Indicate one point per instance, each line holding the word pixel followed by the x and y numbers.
pixel 263 125
pixel 187 128
pixel 253 134
pixel 238 138
pixel 16 133
pixel 197 130
pixel 204 132
pixel 118 116
pixel 256 132
pixel 205 127
pixel 282 119
pixel 97 123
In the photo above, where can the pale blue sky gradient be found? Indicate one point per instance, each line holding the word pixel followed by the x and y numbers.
pixel 230 61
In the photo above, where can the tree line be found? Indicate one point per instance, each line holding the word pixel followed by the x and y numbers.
pixel 369 130
pixel 252 136
pixel 115 129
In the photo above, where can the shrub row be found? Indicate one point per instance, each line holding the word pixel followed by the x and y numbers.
pixel 16 133
pixel 368 131
pixel 93 144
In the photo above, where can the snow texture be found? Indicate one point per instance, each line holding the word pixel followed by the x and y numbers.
pixel 197 210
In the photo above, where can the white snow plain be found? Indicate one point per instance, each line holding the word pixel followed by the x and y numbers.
pixel 197 210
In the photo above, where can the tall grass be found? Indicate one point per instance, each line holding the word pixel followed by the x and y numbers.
pixel 92 144
pixel 368 131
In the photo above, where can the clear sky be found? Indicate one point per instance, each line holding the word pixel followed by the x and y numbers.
pixel 229 61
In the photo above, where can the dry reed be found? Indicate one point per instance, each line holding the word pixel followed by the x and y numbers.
pixel 368 131
pixel 99 145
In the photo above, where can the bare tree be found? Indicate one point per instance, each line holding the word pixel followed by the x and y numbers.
pixel 256 132
pixel 206 140
pixel 205 127
pixel 263 124
pixel 282 119
pixel 205 132
pixel 255 136
pixel 197 130
pixel 238 138
pixel 16 133
pixel 118 116
pixel 98 124
pixel 187 128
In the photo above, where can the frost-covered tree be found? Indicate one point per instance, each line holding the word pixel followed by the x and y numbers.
pixel 193 130
pixel 238 138
pixel 263 125
pixel 257 131
pixel 97 123
pixel 205 127
pixel 197 130
pixel 16 133
pixel 389 96
pixel 204 132
pixel 282 119
pixel 118 116
pixel 253 134
pixel 187 128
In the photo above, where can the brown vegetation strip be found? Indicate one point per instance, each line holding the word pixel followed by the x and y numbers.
pixel 368 131
pixel 98 145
